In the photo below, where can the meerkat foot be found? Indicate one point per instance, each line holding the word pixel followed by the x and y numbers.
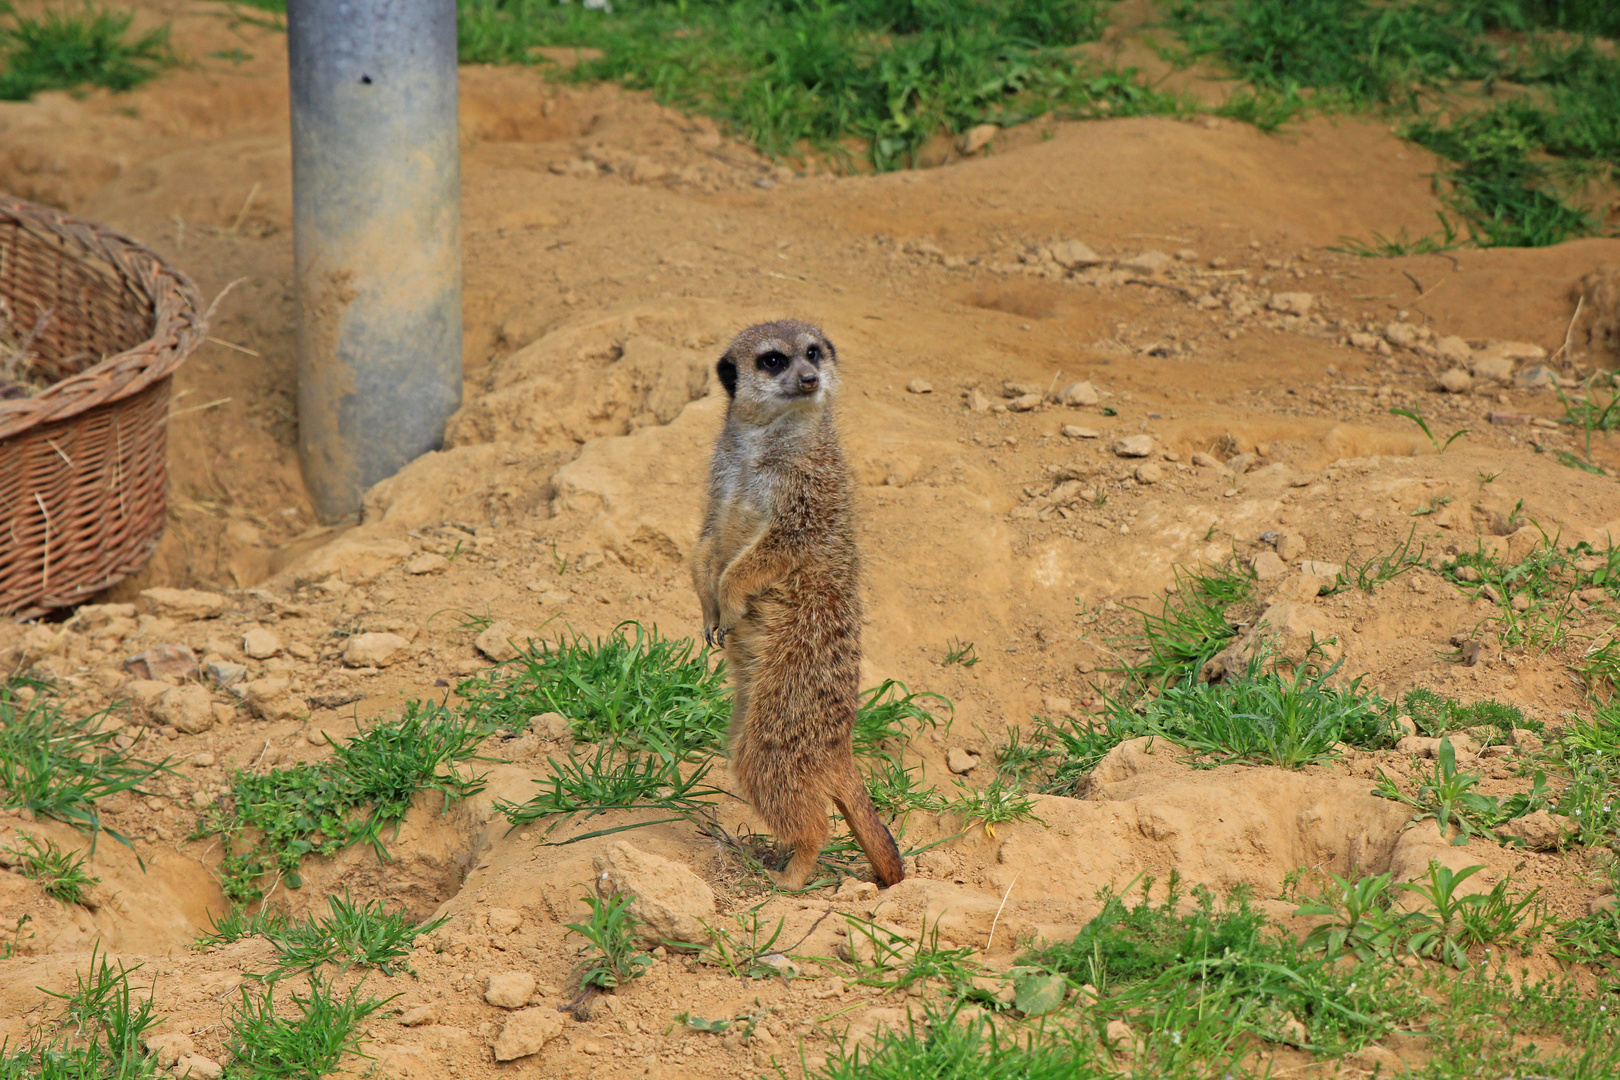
pixel 792 877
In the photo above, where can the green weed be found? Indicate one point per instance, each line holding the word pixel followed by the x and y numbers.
pixel 323 807
pixel 1375 570
pixel 366 934
pixel 1595 938
pixel 740 950
pixel 60 873
pixel 1448 796
pixel 1190 628
pixel 1263 717
pixel 880 957
pixel 1433 715
pixel 1359 918
pixel 108 1018
pixel 792 77
pixel 603 783
pixel 1399 245
pixel 1543 583
pixel 960 652
pixel 611 958
pixel 997 803
pixel 58 767
pixel 267 1045
pixel 63 49
pixel 1423 425
pixel 631 689
pixel 237 923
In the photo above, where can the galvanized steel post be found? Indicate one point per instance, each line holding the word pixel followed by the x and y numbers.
pixel 376 238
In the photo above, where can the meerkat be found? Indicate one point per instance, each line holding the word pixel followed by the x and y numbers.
pixel 777 572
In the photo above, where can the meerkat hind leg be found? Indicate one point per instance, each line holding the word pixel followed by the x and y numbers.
pixel 802 865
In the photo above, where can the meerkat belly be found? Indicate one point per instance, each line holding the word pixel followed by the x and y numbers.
pixel 804 639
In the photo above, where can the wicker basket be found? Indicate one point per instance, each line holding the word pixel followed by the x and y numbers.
pixel 82 463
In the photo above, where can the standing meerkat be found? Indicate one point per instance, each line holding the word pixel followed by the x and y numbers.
pixel 778 574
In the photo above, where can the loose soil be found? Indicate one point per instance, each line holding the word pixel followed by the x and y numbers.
pixel 612 247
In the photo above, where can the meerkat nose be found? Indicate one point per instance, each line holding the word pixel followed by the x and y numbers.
pixel 808 380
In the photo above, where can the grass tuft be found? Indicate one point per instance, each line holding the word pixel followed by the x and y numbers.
pixel 64 49
pixel 60 873
pixel 267 1045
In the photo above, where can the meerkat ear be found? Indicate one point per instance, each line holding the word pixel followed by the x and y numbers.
pixel 727 370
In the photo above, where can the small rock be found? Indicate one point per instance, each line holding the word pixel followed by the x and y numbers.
pixel 1070 431
pixel 203 1068
pixel 169 1047
pixel 271 698
pixel 509 989
pixel 1453 350
pixel 526 1032
pixel 1149 473
pixel 1511 350
pixel 919 386
pixel 1290 547
pixel 1535 377
pixel 374 650
pixel 261 644
pixel 184 604
pixel 854 889
pixel 504 920
pixel 420 1016
pixel 977 137
pixel 1400 334
pixel 555 725
pixel 977 402
pixel 1370 342
pixel 1327 571
pixel 1241 463
pixel 429 562
pixel 1057 706
pixel 671 902
pixel 188 708
pixel 1456 381
pixel 1540 831
pixel 1073 255
pixel 1268 566
pixel 1600 905
pixel 1134 446
pixel 1493 368
pixel 224 673
pixel 163 662
pixel 1079 394
pixel 959 761
pixel 1300 588
pixel 1024 402
pixel 144 692
pixel 499 641
pixel 1206 461
pixel 1148 262
pixel 1292 303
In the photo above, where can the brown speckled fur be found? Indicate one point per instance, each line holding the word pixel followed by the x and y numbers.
pixel 778 575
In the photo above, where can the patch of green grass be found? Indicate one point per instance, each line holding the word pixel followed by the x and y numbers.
pixel 1517 164
pixel 1544 582
pixel 99 1034
pixel 997 803
pixel 1595 938
pixel 1392 247
pixel 1267 718
pixel 1448 796
pixel 960 652
pixel 64 49
pixel 1433 715
pixel 60 873
pixel 611 956
pixel 882 958
pixel 889 74
pixel 267 1044
pixel 272 821
pixel 58 766
pixel 606 782
pixel 890 714
pixel 630 689
pixel 237 923
pixel 740 949
pixel 1190 628
pixel 1589 749
pixel 1368 573
pixel 367 934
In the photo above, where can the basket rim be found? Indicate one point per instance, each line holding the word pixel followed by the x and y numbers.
pixel 179 322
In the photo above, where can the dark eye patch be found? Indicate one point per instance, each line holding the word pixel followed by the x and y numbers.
pixel 772 361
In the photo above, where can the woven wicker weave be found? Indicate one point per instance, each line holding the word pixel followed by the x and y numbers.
pixel 82 464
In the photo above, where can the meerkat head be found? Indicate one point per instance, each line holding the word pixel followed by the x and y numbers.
pixel 777 367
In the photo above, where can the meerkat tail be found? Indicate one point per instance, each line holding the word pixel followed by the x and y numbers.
pixel 870 832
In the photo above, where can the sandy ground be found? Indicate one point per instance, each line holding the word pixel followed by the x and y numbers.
pixel 612 247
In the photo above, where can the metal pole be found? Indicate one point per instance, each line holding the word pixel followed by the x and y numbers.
pixel 376 238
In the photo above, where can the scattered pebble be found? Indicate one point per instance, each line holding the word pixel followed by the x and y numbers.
pixel 1149 473
pixel 374 650
pixel 1071 431
pixel 1079 394
pixel 959 761
pixel 1134 446
pixel 1456 381
pixel 261 644
pixel 509 989
pixel 526 1032
pixel 919 386
pixel 429 562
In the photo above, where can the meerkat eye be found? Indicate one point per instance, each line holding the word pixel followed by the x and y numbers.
pixel 772 362
pixel 813 353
